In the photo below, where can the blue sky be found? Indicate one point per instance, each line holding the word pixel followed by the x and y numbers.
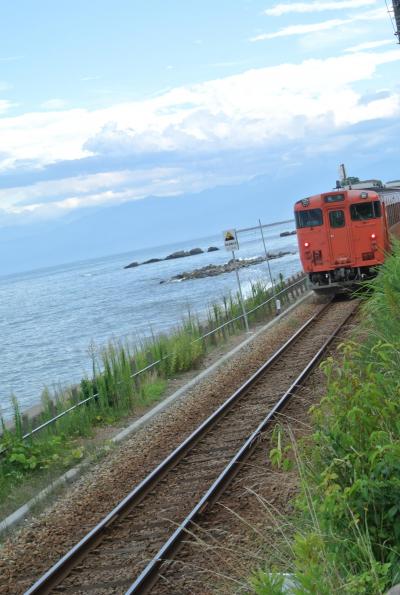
pixel 104 102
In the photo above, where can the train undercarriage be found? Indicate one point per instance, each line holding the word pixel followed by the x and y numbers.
pixel 341 280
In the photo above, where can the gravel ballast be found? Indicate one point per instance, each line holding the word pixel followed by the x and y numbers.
pixel 250 527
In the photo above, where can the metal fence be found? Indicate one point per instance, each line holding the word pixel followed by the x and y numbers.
pixel 296 286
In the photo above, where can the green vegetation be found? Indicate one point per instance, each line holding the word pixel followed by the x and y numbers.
pixel 119 392
pixel 347 531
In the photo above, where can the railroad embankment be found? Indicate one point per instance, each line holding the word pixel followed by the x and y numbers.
pixel 117 393
pixel 347 525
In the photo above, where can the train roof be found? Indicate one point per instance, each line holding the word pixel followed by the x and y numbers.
pixel 376 185
pixel 326 198
pixel 393 184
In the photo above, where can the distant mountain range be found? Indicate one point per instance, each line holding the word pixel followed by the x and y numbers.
pixel 144 223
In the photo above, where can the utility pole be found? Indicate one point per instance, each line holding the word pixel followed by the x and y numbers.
pixel 396 12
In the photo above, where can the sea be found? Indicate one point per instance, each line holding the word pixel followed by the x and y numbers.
pixel 51 319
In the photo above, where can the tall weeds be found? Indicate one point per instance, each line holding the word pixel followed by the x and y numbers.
pixel 348 535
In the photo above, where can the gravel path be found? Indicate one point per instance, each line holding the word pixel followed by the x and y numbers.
pixel 45 539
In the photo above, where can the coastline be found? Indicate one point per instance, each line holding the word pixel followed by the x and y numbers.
pixel 48 319
pixel 183 386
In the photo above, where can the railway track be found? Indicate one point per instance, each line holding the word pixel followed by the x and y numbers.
pixel 124 553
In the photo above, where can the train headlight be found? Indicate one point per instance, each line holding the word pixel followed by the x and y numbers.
pixel 373 236
pixel 306 244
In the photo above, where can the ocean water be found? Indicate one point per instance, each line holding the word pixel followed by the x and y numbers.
pixel 49 317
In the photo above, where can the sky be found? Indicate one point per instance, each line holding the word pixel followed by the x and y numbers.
pixel 105 103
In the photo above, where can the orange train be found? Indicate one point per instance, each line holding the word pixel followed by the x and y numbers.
pixel 344 234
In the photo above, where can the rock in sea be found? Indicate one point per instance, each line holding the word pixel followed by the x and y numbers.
pixel 179 254
pixel 152 260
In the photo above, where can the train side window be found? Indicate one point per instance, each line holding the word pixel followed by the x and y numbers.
pixel 361 211
pixel 336 218
pixel 308 218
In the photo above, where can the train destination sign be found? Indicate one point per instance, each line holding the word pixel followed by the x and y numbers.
pixel 230 240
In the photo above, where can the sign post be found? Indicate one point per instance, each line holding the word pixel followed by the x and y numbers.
pixel 232 244
pixel 277 302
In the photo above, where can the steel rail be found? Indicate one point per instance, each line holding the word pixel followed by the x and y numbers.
pixel 62 568
pixel 150 574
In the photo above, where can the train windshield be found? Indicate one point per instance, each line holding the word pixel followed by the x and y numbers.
pixel 336 218
pixel 309 218
pixel 362 211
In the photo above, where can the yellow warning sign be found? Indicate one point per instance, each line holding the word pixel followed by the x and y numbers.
pixel 230 239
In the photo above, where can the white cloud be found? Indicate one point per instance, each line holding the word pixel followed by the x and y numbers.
pixel 368 45
pixel 45 137
pixel 372 15
pixel 304 7
pixel 26 197
pixel 233 111
pixel 160 182
pixel 320 40
pixel 54 104
pixel 261 108
pixel 301 29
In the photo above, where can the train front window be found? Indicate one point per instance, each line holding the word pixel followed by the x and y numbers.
pixel 362 211
pixel 308 218
pixel 336 218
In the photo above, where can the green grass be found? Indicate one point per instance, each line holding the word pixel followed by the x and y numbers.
pixel 118 394
pixel 347 529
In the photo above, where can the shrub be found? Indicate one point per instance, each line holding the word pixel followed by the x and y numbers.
pixel 348 531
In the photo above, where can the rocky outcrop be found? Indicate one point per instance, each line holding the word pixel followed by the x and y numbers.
pixel 212 270
pixel 151 260
pixel 179 254
pixel 183 253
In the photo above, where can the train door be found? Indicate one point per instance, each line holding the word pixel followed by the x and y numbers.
pixel 339 239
